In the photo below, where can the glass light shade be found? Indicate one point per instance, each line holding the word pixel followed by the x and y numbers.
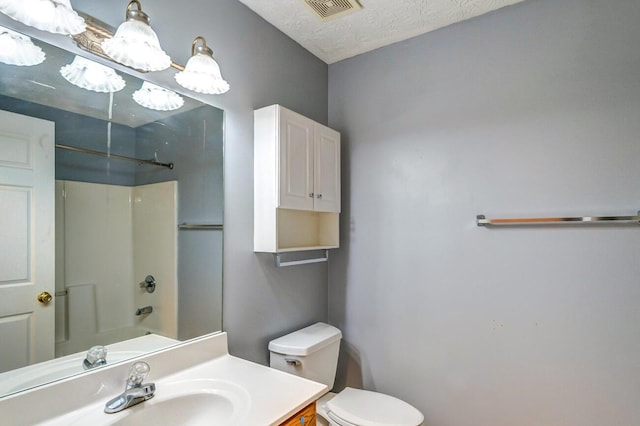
pixel 202 72
pixel 91 75
pixel 54 16
pixel 17 49
pixel 135 44
pixel 158 98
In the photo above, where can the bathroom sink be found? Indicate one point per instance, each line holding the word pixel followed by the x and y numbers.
pixel 195 409
pixel 187 403
pixel 196 383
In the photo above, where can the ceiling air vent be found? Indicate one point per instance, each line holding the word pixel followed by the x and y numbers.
pixel 329 9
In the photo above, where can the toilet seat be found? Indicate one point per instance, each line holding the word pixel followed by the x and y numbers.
pixel 337 420
pixel 356 407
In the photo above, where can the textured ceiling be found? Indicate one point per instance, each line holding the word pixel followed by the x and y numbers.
pixel 379 23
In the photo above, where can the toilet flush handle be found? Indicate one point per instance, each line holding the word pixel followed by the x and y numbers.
pixel 293 362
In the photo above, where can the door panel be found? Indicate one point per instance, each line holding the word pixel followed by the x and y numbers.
pixel 15 150
pixel 327 170
pixel 17 329
pixel 26 239
pixel 15 227
pixel 296 162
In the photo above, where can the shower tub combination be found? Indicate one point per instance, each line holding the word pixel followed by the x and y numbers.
pixel 109 239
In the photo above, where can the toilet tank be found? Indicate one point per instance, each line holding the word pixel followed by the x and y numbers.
pixel 311 352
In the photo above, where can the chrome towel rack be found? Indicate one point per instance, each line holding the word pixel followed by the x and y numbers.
pixel 481 220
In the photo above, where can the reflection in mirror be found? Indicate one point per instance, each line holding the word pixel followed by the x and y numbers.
pixel 126 277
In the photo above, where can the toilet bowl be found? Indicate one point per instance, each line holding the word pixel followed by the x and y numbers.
pixel 312 353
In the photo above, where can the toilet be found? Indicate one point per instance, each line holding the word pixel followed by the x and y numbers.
pixel 312 353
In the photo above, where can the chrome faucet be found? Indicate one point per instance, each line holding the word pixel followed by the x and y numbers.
pixel 135 391
pixel 96 356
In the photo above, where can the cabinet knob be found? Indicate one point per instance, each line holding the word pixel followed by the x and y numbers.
pixel 311 195
pixel 319 196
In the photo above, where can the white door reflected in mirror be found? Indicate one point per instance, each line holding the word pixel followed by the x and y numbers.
pixel 26 240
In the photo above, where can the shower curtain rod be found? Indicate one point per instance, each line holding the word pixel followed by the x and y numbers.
pixel 117 157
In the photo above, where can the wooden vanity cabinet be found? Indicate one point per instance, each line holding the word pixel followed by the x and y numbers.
pixel 306 417
pixel 296 182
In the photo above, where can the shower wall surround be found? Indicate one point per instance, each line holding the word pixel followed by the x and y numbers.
pixel 109 238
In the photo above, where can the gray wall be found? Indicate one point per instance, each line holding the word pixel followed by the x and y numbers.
pixel 532 110
pixel 263 67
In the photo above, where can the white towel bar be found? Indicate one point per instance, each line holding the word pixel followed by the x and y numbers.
pixel 279 263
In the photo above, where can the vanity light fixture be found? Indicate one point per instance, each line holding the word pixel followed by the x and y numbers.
pixel 135 44
pixel 91 75
pixel 202 72
pixel 54 16
pixel 18 49
pixel 158 98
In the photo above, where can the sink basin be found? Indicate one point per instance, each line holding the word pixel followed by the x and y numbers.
pixel 198 409
pixel 187 403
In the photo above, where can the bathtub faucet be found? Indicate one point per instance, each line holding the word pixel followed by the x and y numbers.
pixel 96 356
pixel 144 310
pixel 135 391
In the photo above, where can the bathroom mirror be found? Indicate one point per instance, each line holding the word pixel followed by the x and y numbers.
pixel 138 247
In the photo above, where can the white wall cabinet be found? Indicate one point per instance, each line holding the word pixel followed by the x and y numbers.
pixel 296 182
pixel 309 162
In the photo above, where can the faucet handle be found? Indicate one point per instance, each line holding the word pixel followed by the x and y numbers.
pixel 96 356
pixel 138 373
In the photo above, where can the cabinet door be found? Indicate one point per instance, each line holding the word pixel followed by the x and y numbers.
pixel 296 161
pixel 327 170
pixel 304 417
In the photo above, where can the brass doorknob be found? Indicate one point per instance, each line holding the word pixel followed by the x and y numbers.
pixel 45 297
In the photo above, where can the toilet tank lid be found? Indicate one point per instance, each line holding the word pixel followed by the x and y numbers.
pixel 306 341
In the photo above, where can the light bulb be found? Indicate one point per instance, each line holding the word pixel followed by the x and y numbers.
pixel 202 72
pixel 17 49
pixel 7 44
pixel 94 75
pixel 158 98
pixel 41 11
pixel 91 75
pixel 55 16
pixel 135 44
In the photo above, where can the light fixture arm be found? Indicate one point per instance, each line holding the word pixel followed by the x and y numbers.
pixel 138 14
pixel 204 49
pixel 131 3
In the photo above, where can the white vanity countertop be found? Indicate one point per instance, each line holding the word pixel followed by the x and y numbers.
pixel 265 396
